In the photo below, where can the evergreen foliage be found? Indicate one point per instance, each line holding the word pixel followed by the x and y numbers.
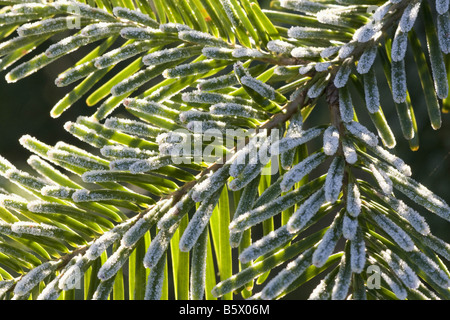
pixel 200 174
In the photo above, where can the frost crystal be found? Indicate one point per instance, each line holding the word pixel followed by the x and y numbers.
pixel 345 105
pixel 333 181
pixel 343 280
pixel 394 231
pixel 288 275
pixel 442 6
pixel 366 32
pixel 322 66
pixel 158 246
pixel 382 178
pixel 401 269
pixel 266 244
pixel 362 133
pixel 371 93
pixel 35 229
pixel 366 60
pixel 343 73
pixel 300 170
pixel 305 212
pixel 349 152
pixel 306 52
pixel 358 252
pixel 114 263
pixel 279 46
pixel 443 31
pixel 409 15
pixel 399 45
pixel 414 218
pixel 431 268
pixel 198 223
pixel 328 243
pixel 328 52
pixel 262 88
pixel 168 55
pixel 353 200
pixel 349 227
pixel 398 163
pixel 34 276
pixel 302 6
pixel 330 140
pixel 346 50
pixel 287 143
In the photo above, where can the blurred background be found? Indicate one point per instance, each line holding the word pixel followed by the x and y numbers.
pixel 25 108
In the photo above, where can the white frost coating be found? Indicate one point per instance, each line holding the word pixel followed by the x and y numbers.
pixel 358 252
pixel 431 268
pixel 303 32
pixel 158 246
pixel 398 78
pixel 366 32
pixel 353 204
pixel 342 74
pixel 34 276
pixel 399 45
pixel 306 52
pixel 305 69
pixel 382 178
pixel 114 263
pixel 366 60
pixel 198 222
pixel 35 229
pixel 401 269
pixel 362 133
pixel 347 49
pixel 288 275
pixel 328 52
pixel 371 93
pixel 73 274
pixel 320 292
pixel 442 6
pixel 279 46
pixel 288 143
pixel 262 88
pixel 327 244
pixel 397 162
pixel 305 212
pixel 317 88
pixel 330 140
pixel 269 242
pixel 414 218
pixel 322 66
pixel 107 239
pixel 333 181
pixel 234 109
pixel 247 52
pixel 409 15
pixel 167 55
pixel 396 287
pixel 201 37
pixel 443 31
pixel 394 231
pixel 305 6
pixel 349 152
pixel 381 11
pixel 349 227
pixel 300 170
pixel 345 105
pixel 343 280
pixel 213 182
pixel 57 192
pixel 330 16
